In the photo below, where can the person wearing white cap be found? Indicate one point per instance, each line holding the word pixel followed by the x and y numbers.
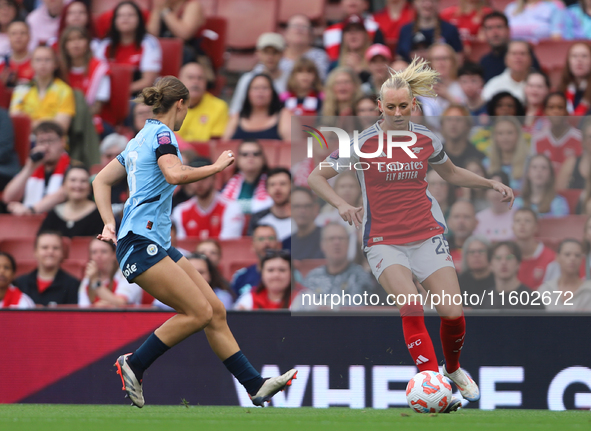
pixel 269 49
pixel 378 58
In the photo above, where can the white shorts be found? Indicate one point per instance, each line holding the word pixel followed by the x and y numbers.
pixel 423 258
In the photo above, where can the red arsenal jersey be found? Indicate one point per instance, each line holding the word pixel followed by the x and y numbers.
pixel 24 71
pixel 532 271
pixel 398 207
pixel 557 150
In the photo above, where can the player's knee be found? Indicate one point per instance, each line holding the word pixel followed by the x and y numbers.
pixel 201 318
pixel 218 311
pixel 450 311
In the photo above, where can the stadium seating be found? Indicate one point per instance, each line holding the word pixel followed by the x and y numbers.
pixel 247 20
pixel 215 48
pixel 552 53
pixel 572 196
pixel 172 55
pixel 79 247
pixel 99 7
pixel 563 227
pixel 19 227
pixel 24 248
pixel 21 124
pixel 209 7
pixel 118 107
pixel 313 9
pixel 477 50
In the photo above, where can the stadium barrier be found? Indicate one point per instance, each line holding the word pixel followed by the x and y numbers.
pixel 67 357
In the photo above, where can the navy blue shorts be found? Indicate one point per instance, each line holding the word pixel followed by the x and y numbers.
pixel 136 254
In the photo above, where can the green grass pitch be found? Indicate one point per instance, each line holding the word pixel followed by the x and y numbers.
pixel 197 418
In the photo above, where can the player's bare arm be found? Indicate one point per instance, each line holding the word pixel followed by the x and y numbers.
pixel 464 178
pixel 105 179
pixel 176 173
pixel 318 182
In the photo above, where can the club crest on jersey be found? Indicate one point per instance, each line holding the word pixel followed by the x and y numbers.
pixel 163 138
pixel 334 154
pixel 152 249
pixel 417 150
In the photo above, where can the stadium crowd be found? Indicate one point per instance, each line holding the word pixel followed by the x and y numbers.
pixel 512 105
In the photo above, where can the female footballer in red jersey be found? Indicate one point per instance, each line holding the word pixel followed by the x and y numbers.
pixel 402 223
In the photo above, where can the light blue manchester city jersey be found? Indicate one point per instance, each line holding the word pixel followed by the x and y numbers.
pixel 147 210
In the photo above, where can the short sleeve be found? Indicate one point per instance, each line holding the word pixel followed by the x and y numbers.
pixel 100 50
pixel 339 163
pixel 438 157
pixel 151 55
pixel 103 93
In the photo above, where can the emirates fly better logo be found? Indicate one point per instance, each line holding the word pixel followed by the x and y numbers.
pixel 346 143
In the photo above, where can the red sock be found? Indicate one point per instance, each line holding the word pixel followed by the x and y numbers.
pixel 452 334
pixel 417 338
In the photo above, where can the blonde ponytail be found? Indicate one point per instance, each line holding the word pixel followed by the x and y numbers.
pixel 418 78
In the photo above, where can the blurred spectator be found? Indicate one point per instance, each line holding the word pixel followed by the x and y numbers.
pixel 141 112
pixel 496 31
pixel 535 20
pixel 347 187
pixel 519 63
pixel 75 14
pixel 441 190
pixel 78 215
pixel 207 115
pixel 83 72
pixel 299 36
pixel 212 249
pixel 44 21
pixel 536 256
pixel 559 141
pixel 342 88
pixel 377 57
pixel 129 43
pixel 461 222
pixel 496 222
pixel 391 19
pixel 442 59
pixel 103 283
pixel 248 185
pixel 456 123
pixel 279 215
pixel 467 17
pixel 508 150
pixel 11 296
pixel 262 115
pixel 270 47
pixel 577 20
pixel 48 284
pixel 304 89
pixel 302 169
pixel 9 163
pixel 356 40
pixel 426 29
pixel 178 18
pixel 276 288
pixel 305 242
pixel 213 277
pixel 340 274
pixel 553 268
pixel 366 111
pixel 505 104
pixel 15 67
pixel 476 276
pixel 568 292
pixel 538 192
pixel 505 258
pixel 207 214
pixel 575 170
pixel 9 11
pixel 575 76
pixel 47 97
pixel 476 196
pixel 110 148
pixel 173 242
pixel 333 34
pixel 537 88
pixel 264 239
pixel 39 183
pixel 471 80
pixel 584 204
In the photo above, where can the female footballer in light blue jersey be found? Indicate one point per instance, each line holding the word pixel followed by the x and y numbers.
pixel 151 161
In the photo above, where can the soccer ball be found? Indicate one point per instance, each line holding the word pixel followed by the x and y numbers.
pixel 428 392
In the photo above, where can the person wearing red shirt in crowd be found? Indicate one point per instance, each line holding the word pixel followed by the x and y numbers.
pixel 129 43
pixel 467 17
pixel 277 289
pixel 48 284
pixel 391 19
pixel 537 88
pixel 16 68
pixel 333 34
pixel 84 72
pixel 304 89
pixel 536 256
pixel 75 14
pixel 462 223
pixel 208 214
pixel 575 79
pixel 560 141
pixel 11 296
